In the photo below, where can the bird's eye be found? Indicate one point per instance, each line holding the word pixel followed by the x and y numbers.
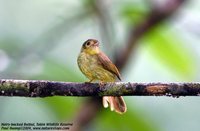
pixel 88 43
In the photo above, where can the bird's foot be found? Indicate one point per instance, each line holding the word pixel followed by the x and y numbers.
pixel 87 82
pixel 101 84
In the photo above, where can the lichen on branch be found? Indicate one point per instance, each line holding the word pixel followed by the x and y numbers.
pixel 41 88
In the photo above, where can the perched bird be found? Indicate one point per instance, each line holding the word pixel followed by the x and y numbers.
pixel 96 66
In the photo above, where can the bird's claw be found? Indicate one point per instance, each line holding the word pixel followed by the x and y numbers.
pixel 88 82
pixel 101 84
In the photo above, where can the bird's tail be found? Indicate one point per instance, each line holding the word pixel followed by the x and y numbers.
pixel 116 103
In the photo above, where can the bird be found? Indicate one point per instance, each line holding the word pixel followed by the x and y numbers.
pixel 96 66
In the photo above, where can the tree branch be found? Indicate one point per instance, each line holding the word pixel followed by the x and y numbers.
pixel 40 88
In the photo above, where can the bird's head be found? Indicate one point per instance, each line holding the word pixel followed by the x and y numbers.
pixel 91 46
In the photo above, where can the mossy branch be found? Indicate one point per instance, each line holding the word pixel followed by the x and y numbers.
pixel 41 88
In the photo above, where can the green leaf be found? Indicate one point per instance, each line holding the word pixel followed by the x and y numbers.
pixel 167 46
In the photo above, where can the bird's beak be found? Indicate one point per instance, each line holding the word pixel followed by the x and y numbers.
pixel 96 44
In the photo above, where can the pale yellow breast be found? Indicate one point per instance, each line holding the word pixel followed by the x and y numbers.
pixel 91 68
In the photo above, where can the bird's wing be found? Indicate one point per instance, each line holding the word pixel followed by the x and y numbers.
pixel 108 65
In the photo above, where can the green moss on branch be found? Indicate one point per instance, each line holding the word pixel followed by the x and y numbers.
pixel 41 88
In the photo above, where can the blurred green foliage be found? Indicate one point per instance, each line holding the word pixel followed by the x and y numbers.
pixel 132 120
pixel 62 106
pixel 162 42
pixel 58 72
pixel 134 14
pixel 77 22
pixel 166 45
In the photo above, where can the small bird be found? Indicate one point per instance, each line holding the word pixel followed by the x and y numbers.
pixel 96 66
